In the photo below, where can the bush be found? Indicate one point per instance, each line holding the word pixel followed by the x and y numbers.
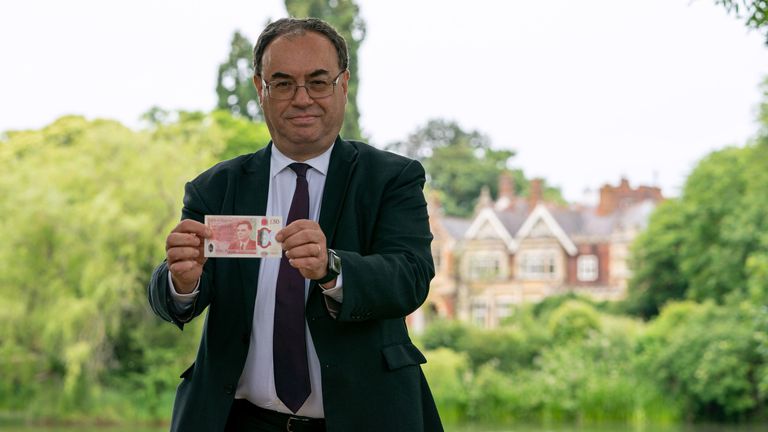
pixel 710 358
pixel 447 372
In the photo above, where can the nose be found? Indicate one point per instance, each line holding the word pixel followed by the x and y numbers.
pixel 301 97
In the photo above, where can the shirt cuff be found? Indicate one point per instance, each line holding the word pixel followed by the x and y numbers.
pixel 333 297
pixel 182 301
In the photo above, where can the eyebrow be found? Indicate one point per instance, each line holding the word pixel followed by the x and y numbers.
pixel 314 74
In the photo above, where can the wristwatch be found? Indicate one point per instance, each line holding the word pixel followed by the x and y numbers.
pixel 334 268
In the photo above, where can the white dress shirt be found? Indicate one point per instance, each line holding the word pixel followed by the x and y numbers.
pixel 257 382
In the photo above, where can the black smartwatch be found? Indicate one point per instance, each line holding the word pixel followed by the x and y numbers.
pixel 334 268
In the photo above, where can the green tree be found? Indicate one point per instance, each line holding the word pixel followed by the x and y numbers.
pixel 655 257
pixel 344 15
pixel 710 358
pixel 713 242
pixel 460 163
pixel 703 245
pixel 235 135
pixel 87 205
pixel 234 84
pixel 754 12
pixel 573 320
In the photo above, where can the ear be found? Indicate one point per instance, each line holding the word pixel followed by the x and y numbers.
pixel 345 82
pixel 259 84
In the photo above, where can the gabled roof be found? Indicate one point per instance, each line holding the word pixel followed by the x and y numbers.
pixel 514 222
pixel 541 213
pixel 456 227
pixel 490 216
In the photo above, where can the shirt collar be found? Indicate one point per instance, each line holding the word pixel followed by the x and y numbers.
pixel 279 161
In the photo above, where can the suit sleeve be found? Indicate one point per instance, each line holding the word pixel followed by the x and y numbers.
pixel 393 280
pixel 160 299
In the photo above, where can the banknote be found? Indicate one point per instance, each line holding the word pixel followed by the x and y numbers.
pixel 243 237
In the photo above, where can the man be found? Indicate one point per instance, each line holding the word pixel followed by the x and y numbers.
pixel 361 254
pixel 243 234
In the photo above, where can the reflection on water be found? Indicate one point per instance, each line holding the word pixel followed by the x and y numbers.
pixel 612 428
pixel 81 429
pixel 464 428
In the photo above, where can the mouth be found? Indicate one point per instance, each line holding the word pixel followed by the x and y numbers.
pixel 303 119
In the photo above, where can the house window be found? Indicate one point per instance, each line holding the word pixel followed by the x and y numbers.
pixel 503 309
pixel 586 268
pixel 484 266
pixel 479 313
pixel 537 265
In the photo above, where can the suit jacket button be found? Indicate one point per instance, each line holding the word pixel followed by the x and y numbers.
pixel 229 389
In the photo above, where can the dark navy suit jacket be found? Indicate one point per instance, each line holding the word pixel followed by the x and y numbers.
pixel 374 214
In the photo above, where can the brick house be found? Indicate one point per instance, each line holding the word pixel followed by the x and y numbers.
pixel 523 249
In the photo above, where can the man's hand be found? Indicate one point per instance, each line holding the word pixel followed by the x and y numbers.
pixel 184 250
pixel 304 245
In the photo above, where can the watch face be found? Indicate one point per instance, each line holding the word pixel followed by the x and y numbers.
pixel 334 262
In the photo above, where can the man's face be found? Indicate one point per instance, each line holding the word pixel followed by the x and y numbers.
pixel 302 127
pixel 243 232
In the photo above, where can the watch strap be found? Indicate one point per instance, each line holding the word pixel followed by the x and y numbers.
pixel 332 272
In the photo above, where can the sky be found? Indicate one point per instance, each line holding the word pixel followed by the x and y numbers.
pixel 585 92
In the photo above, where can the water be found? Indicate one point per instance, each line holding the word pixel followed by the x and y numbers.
pixel 464 428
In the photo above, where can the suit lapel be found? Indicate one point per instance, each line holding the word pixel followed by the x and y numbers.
pixel 340 169
pixel 251 199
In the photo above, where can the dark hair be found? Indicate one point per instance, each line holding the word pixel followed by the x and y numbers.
pixel 297 26
pixel 244 222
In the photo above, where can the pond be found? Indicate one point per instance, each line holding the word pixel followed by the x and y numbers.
pixel 452 428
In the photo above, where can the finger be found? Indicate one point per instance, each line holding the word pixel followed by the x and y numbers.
pixel 296 226
pixel 310 268
pixel 307 250
pixel 177 254
pixel 186 271
pixel 303 237
pixel 193 227
pixel 176 239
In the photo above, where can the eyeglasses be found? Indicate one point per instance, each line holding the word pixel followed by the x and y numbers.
pixel 285 89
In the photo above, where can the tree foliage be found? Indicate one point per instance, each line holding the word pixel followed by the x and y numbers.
pixel 87 205
pixel 234 83
pixel 693 362
pixel 656 261
pixel 545 367
pixel 754 12
pixel 711 243
pixel 460 163
pixel 711 359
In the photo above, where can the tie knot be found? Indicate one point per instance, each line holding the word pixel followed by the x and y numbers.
pixel 300 169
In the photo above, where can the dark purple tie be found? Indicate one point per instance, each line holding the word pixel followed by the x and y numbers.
pixel 289 338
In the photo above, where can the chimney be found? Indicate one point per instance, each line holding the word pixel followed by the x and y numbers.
pixel 607 200
pixel 506 196
pixel 534 196
pixel 624 185
pixel 484 200
pixel 506 185
pixel 613 198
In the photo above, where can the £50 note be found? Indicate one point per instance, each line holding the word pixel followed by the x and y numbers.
pixel 243 237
